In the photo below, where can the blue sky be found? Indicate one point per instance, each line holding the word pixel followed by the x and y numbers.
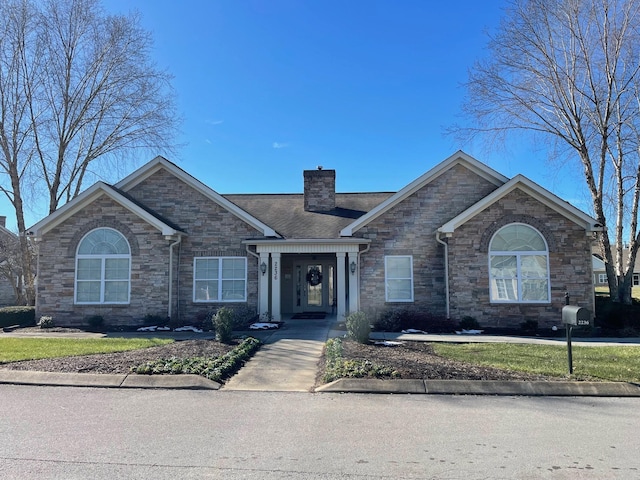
pixel 269 88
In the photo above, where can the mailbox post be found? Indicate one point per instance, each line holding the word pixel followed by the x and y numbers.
pixel 573 315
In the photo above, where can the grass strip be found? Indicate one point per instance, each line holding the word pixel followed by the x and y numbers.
pixel 217 369
pixel 17 349
pixel 609 363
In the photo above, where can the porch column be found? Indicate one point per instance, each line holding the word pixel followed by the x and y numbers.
pixel 353 282
pixel 341 295
pixel 263 284
pixel 275 287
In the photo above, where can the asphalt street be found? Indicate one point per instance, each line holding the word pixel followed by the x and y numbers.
pixel 78 433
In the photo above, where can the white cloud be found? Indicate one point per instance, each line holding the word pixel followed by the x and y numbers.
pixel 214 122
pixel 280 145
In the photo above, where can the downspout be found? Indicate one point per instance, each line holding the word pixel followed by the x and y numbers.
pixel 446 271
pixel 177 242
pixel 358 272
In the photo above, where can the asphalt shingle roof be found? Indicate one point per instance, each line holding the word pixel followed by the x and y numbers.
pixel 285 212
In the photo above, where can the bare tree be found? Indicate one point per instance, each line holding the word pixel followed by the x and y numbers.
pixel 76 86
pixel 568 71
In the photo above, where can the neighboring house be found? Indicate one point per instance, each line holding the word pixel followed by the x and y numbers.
pixel 7 290
pixel 461 240
pixel 600 273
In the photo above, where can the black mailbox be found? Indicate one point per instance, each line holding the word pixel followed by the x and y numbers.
pixel 573 315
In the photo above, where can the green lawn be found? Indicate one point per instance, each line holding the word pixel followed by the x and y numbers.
pixel 17 348
pixel 620 364
pixel 635 291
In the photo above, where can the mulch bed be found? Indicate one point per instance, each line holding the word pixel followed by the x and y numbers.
pixel 411 360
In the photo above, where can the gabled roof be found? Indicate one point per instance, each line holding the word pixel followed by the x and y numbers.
pixel 531 188
pixel 458 158
pixel 93 193
pixel 159 163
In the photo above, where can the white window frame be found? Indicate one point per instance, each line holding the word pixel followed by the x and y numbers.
pixel 602 278
pixel 387 279
pixel 500 282
pixel 103 281
pixel 219 294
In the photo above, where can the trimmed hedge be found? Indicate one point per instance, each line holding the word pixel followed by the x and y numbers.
pixel 217 369
pixel 23 316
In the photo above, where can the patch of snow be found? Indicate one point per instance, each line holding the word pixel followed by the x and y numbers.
pixel 164 329
pixel 469 332
pixel 413 330
pixel 388 343
pixel 148 329
pixel 263 326
pixel 188 328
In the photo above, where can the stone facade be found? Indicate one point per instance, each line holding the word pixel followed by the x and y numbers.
pixel 192 221
pixel 57 265
pixel 410 229
pixel 569 264
pixel 210 231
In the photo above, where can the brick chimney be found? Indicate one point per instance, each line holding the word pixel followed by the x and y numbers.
pixel 319 190
pixel 3 221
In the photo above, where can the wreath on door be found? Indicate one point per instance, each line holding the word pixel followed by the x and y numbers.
pixel 314 276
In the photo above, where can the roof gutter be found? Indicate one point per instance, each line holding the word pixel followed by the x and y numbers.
pixel 446 271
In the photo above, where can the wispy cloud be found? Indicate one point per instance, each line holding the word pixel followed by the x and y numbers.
pixel 280 145
pixel 214 122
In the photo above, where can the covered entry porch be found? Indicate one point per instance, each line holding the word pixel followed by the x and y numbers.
pixel 308 276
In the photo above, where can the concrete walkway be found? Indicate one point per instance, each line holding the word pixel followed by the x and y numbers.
pixel 288 361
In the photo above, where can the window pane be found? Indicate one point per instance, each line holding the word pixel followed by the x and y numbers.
pixel 233 290
pixel 533 266
pixel 104 241
pixel 504 289
pixel 398 267
pixel 398 290
pixel 504 266
pixel 88 292
pixel 116 292
pixel 89 269
pixel 116 269
pixel 206 290
pixel 517 238
pixel 233 268
pixel 207 268
pixel 535 290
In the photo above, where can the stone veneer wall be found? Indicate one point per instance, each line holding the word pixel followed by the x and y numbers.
pixel 210 231
pixel 569 264
pixel 56 267
pixel 319 190
pixel 409 229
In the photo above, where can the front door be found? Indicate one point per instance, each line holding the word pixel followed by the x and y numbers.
pixel 313 287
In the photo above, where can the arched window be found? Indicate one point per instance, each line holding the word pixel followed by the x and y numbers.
pixel 519 265
pixel 103 267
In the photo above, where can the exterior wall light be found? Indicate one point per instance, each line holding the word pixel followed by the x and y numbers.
pixel 352 267
pixel 263 268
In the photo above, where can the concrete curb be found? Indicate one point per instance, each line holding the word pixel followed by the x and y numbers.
pixel 99 380
pixel 482 387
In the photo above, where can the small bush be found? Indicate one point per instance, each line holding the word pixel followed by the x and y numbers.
pixel 46 322
pixel 358 327
pixel 223 324
pixel 529 327
pixel 150 320
pixel 395 320
pixel 469 323
pixel 95 322
pixel 23 316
